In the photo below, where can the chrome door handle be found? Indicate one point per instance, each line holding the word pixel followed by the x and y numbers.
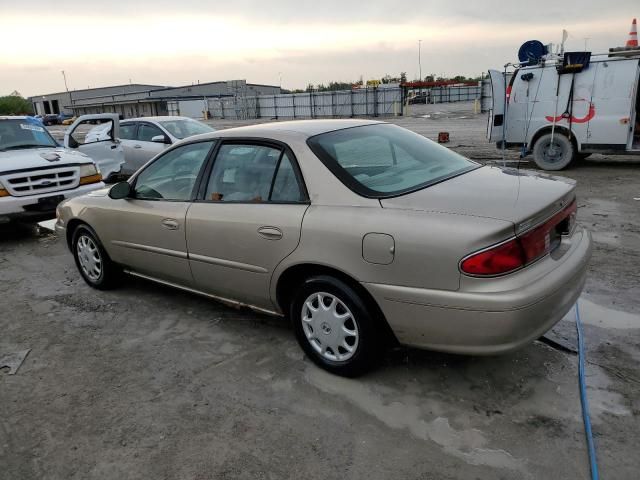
pixel 270 233
pixel 137 146
pixel 170 223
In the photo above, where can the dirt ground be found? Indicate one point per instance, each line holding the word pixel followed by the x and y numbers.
pixel 147 382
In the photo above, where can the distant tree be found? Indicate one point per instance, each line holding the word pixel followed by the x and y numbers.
pixel 14 105
pixel 430 78
pixel 403 77
pixel 309 88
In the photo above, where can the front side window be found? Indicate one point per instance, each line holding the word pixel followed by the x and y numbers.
pixel 147 131
pixel 253 173
pixel 385 160
pixel 173 175
pixel 24 133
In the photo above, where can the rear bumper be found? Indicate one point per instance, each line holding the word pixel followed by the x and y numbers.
pixel 28 208
pixel 490 322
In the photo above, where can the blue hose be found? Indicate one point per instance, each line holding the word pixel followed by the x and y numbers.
pixel 584 401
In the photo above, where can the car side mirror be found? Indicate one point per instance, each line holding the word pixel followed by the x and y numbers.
pixel 160 139
pixel 120 190
pixel 73 143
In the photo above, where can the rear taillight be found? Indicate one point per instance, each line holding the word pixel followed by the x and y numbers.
pixel 504 258
pixel 523 249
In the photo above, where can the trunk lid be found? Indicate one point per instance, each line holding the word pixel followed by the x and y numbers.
pixel 522 197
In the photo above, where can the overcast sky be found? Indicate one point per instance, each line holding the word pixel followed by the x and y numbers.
pixel 176 42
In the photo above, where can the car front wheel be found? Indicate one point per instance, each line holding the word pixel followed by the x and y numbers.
pixel 92 260
pixel 335 327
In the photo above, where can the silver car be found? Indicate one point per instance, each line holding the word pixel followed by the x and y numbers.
pixel 362 233
pixel 143 138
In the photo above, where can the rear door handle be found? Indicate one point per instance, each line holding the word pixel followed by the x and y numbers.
pixel 170 223
pixel 270 233
pixel 113 147
pixel 137 146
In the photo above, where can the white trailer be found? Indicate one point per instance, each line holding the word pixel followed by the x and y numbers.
pixel 561 117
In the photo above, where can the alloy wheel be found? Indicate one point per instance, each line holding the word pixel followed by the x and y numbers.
pixel 89 257
pixel 329 326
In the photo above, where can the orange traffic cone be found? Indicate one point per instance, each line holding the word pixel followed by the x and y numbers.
pixel 633 35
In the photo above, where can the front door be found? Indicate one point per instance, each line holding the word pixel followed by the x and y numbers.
pixel 246 221
pixel 106 150
pixel 149 227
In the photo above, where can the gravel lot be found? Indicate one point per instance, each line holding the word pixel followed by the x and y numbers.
pixel 147 382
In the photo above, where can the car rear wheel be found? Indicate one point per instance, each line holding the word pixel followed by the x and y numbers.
pixel 555 155
pixel 92 260
pixel 335 327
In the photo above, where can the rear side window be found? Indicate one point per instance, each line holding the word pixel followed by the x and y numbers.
pixel 253 173
pixel 128 131
pixel 286 187
pixel 384 160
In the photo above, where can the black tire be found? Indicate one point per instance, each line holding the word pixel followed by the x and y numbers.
pixel 109 271
pixel 368 346
pixel 558 158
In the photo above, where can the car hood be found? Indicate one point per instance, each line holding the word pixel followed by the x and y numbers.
pixel 519 196
pixel 12 160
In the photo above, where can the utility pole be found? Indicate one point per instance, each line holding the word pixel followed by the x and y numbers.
pixel 586 39
pixel 420 61
pixel 67 89
pixel 420 58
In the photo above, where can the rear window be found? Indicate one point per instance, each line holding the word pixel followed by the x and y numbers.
pixel 385 160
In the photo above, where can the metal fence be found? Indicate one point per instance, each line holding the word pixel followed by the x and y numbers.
pixel 371 102
pixel 454 94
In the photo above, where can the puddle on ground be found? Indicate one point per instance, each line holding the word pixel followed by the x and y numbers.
pixel 599 316
pixel 470 445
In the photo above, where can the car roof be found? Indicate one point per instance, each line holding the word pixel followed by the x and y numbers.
pixel 156 119
pixel 306 128
pixel 14 117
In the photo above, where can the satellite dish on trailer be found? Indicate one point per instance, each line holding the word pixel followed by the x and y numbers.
pixel 531 52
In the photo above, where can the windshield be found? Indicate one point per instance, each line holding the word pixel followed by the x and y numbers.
pixel 185 128
pixel 24 133
pixel 385 160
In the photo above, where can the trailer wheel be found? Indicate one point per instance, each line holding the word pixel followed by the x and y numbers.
pixel 553 156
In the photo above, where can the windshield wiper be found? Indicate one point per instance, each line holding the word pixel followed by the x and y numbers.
pixel 20 147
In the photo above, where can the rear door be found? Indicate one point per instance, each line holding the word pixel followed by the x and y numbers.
pixel 497 111
pixel 128 132
pixel 144 148
pixel 612 101
pixel 106 151
pixel 246 221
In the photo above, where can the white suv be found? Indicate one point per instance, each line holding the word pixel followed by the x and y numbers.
pixel 36 174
